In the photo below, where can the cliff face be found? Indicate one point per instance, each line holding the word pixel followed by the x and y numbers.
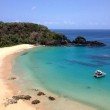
pixel 18 33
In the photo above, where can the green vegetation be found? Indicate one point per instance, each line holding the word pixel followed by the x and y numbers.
pixel 29 33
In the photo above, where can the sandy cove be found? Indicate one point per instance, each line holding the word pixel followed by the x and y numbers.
pixel 8 88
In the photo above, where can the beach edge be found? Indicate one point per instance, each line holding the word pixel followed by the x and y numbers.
pixel 8 53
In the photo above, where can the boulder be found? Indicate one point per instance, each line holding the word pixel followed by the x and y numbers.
pixel 35 101
pixel 79 40
pixel 40 93
pixel 51 98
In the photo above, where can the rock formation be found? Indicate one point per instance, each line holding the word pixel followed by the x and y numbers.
pixel 35 101
pixel 51 98
pixel 25 97
pixel 81 41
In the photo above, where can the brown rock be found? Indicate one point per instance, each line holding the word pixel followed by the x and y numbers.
pixel 35 101
pixel 51 98
pixel 25 97
pixel 40 93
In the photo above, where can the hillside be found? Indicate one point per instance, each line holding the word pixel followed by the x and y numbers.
pixel 29 33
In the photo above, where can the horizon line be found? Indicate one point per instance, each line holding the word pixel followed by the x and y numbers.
pixel 75 29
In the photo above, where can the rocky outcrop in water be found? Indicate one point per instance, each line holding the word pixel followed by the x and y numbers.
pixel 81 41
pixel 95 43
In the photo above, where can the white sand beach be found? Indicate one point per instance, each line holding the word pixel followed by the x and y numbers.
pixel 8 88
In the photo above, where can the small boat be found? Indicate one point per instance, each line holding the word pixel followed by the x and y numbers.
pixel 99 74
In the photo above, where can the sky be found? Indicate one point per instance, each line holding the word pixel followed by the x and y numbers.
pixel 58 14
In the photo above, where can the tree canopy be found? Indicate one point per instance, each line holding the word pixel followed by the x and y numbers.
pixel 29 33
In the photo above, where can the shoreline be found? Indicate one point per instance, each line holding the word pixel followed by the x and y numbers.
pixel 9 89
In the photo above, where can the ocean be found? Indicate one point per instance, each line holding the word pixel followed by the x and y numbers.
pixel 68 71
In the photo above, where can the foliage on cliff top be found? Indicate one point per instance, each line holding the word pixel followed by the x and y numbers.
pixel 29 33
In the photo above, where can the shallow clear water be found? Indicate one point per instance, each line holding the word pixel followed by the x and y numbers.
pixel 68 72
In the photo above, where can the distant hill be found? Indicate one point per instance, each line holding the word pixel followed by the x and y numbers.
pixel 29 33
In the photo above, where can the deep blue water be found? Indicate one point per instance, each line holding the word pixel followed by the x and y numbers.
pixel 68 71
pixel 100 35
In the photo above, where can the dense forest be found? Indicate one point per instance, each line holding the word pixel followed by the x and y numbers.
pixel 29 33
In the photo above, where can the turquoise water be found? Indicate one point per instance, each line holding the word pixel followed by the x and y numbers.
pixel 68 72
